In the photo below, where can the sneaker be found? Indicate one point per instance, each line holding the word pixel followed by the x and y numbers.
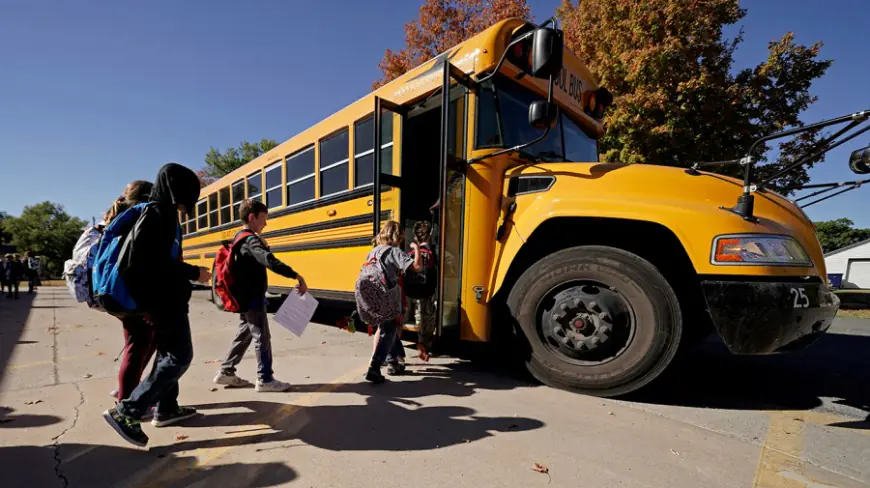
pixel 230 380
pixel 127 427
pixel 395 369
pixel 164 419
pixel 272 386
pixel 374 376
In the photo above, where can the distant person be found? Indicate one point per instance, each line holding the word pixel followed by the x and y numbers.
pixel 32 269
pixel 14 273
pixel 159 282
pixel 3 261
pixel 252 259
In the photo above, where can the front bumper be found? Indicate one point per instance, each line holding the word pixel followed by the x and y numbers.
pixel 767 317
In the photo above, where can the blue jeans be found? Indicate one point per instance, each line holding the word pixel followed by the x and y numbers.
pixel 174 354
pixel 254 326
pixel 389 347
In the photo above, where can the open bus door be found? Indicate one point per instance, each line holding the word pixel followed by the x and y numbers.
pixel 451 202
pixel 386 181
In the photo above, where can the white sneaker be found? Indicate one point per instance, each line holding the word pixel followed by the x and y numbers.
pixel 231 380
pixel 272 386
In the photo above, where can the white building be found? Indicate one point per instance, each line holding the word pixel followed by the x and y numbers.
pixel 853 262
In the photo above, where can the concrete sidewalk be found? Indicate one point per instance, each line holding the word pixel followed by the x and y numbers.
pixel 449 423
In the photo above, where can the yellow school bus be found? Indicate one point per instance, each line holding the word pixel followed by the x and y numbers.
pixel 597 271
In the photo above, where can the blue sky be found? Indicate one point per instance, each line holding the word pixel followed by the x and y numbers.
pixel 95 94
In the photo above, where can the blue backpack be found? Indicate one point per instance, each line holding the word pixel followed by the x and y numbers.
pixel 107 280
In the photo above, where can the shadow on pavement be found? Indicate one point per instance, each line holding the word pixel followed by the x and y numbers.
pixel 9 420
pixel 104 466
pixel 13 317
pixel 836 366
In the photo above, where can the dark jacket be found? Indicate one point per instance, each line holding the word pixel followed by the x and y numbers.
pixel 155 275
pixel 252 258
pixel 13 271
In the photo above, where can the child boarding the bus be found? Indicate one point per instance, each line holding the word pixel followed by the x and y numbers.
pixel 252 257
pixel 420 289
pixel 379 297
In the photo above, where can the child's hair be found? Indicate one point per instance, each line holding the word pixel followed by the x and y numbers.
pixel 250 207
pixel 8 256
pixel 390 235
pixel 422 232
pixel 138 191
pixel 16 256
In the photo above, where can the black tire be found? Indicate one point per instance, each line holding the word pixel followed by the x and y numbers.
pixel 650 305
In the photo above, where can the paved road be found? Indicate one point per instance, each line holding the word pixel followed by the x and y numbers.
pixel 795 420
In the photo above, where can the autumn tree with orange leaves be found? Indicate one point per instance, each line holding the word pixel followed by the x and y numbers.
pixel 443 24
pixel 677 98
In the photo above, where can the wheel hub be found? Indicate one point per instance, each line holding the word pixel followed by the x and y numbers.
pixel 582 319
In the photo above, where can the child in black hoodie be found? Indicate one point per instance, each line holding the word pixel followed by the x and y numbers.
pixel 159 282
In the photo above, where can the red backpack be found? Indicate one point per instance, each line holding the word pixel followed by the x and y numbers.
pixel 223 274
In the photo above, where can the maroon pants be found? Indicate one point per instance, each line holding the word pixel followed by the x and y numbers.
pixel 138 348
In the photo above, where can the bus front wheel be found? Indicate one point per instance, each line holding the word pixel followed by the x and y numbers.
pixel 598 320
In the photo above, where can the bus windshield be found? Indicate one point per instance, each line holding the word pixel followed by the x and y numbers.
pixel 503 121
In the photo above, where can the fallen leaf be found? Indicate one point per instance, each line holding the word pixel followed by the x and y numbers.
pixel 101 353
pixel 540 468
pixel 610 413
pixel 34 402
pixel 210 361
pixel 675 453
pixel 89 375
pixel 180 437
pixel 213 389
pixel 324 342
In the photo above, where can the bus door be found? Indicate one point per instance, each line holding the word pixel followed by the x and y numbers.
pixel 387 180
pixel 451 204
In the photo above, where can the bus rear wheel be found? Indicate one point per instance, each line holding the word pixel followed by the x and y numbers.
pixel 597 319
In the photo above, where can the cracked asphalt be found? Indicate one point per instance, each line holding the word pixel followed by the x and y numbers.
pixel 796 420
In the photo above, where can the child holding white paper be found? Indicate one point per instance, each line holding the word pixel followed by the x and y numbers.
pixel 252 258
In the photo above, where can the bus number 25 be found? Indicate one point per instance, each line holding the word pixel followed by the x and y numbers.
pixel 801 300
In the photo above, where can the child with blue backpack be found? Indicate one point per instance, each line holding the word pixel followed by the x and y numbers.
pixel 158 288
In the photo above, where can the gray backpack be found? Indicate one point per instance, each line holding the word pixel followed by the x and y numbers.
pixel 377 300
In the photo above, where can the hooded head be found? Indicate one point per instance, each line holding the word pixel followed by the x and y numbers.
pixel 176 185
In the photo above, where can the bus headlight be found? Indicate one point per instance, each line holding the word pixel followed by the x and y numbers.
pixel 759 249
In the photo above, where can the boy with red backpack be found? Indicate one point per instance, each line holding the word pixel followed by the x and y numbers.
pixel 420 289
pixel 241 283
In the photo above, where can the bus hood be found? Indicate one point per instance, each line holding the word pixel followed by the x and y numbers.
pixel 691 206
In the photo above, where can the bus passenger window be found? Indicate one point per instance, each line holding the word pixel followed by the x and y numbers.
pixel 255 187
pixel 300 176
pixel 225 205
pixel 238 196
pixel 364 155
pixel 213 210
pixel 333 164
pixel 202 214
pixel 273 186
pixel 190 224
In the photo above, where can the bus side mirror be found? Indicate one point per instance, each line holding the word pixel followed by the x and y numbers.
pixel 547 52
pixel 542 114
pixel 859 161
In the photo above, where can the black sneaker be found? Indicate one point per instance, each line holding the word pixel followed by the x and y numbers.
pixel 395 369
pixel 374 376
pixel 126 427
pixel 164 419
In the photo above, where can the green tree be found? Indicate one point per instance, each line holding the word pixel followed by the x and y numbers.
pixel 46 230
pixel 5 237
pixel 218 164
pixel 834 234
pixel 677 98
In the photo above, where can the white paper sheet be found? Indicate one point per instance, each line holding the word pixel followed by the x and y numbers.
pixel 296 312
